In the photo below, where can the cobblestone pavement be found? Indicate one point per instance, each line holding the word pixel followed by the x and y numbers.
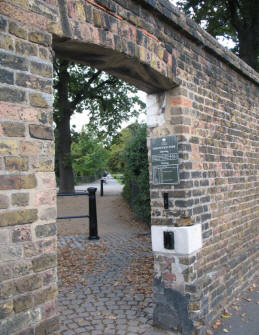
pixel 105 286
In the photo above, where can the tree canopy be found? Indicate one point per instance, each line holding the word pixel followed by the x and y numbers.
pixel 237 20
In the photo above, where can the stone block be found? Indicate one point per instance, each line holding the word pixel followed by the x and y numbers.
pixel 20 199
pixel 16 163
pixel 33 82
pixel 44 262
pixel 41 132
pixel 19 217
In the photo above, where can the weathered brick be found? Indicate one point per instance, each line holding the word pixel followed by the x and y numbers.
pixel 7 290
pixel 45 230
pixel 5 272
pixel 44 262
pixel 6 42
pixel 27 284
pixel 21 234
pixel 41 69
pixel 40 37
pixel 13 129
pixel 41 132
pixel 6 309
pixel 14 62
pixel 9 112
pixel 39 247
pixel 38 100
pixel 12 95
pixel 10 253
pixel 28 181
pixel 19 217
pixel 16 163
pixel 22 268
pixel 36 83
pixel 28 148
pixel 22 303
pixel 4 201
pixel 46 294
pixel 10 182
pixel 49 326
pixel 25 48
pixel 20 199
pixel 3 23
pixel 6 77
pixel 17 30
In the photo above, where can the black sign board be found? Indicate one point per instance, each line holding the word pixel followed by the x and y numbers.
pixel 164 155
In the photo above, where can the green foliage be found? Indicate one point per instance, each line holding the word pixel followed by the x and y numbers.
pixel 237 20
pixel 88 155
pixel 116 159
pixel 136 175
pixel 107 100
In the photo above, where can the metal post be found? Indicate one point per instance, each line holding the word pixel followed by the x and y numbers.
pixel 93 231
pixel 102 187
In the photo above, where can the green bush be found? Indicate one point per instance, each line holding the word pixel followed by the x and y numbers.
pixel 136 176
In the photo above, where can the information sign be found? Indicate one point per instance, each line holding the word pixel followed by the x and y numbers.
pixel 164 156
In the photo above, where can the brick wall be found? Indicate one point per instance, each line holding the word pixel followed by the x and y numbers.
pixel 211 104
pixel 28 289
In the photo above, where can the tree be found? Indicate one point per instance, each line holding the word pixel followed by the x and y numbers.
pixel 233 19
pixel 88 154
pixel 108 100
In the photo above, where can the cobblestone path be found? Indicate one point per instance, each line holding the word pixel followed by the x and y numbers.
pixel 105 286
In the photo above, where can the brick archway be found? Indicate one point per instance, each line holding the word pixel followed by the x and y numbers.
pixel 198 91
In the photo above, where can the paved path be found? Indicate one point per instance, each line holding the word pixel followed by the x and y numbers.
pixel 105 286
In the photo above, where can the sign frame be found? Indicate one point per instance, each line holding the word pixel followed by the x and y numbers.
pixel 165 160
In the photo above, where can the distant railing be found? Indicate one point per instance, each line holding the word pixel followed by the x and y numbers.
pixel 93 229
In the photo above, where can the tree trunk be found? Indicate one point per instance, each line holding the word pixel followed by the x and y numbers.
pixel 66 177
pixel 248 48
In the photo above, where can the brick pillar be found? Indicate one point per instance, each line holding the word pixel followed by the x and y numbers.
pixel 176 291
pixel 28 277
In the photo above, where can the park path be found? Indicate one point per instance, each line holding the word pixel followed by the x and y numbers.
pixel 105 286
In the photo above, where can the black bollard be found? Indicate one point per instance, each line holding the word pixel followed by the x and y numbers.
pixel 93 231
pixel 102 187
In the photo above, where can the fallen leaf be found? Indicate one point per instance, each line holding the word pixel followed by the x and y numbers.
pixel 226 315
pixel 216 324
pixel 225 330
pixel 243 315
